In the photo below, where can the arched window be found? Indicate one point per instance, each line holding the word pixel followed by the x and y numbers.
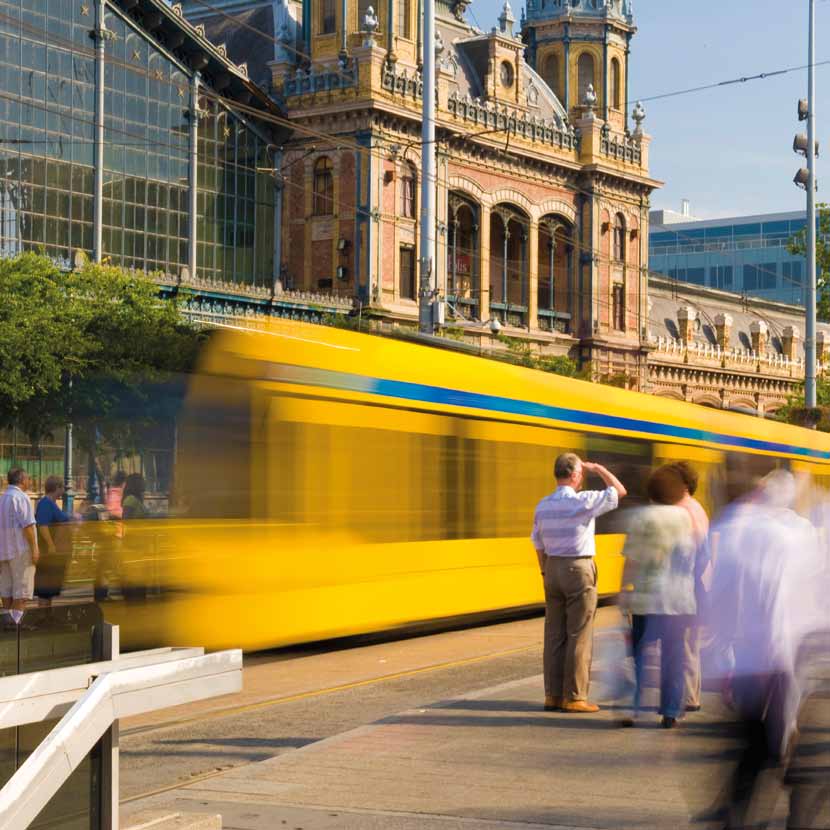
pixel 328 17
pixel 403 13
pixel 585 71
pixel 552 73
pixel 619 238
pixel 615 84
pixel 408 197
pixel 323 187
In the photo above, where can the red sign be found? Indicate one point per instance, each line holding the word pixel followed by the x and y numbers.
pixel 463 265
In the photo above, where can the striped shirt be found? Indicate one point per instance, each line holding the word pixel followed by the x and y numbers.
pixel 16 513
pixel 563 524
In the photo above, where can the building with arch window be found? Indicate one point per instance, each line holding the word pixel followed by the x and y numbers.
pixel 543 183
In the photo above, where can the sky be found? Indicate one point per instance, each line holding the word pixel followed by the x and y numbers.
pixel 728 150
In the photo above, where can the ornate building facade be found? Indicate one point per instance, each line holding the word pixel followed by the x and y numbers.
pixel 542 186
pixel 725 350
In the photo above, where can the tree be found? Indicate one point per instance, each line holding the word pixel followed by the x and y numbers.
pixel 798 247
pixel 92 346
pixel 795 412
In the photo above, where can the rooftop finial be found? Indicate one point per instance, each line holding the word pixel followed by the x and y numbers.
pixel 506 20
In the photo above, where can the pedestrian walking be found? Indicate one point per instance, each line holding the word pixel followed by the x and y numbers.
pixel 659 589
pixel 55 542
pixel 115 495
pixel 700 534
pixel 563 536
pixel 763 603
pixel 132 503
pixel 19 551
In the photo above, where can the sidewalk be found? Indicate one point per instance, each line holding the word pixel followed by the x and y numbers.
pixel 488 760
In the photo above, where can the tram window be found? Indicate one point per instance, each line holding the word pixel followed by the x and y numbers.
pixel 213 469
pixel 512 478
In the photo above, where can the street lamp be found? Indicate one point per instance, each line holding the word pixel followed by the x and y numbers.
pixel 805 178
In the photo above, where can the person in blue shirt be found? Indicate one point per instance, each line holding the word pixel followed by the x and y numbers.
pixel 55 541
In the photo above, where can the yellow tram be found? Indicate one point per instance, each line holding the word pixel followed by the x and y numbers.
pixel 331 483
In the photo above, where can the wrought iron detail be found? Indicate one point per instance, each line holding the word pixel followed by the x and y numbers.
pixel 490 116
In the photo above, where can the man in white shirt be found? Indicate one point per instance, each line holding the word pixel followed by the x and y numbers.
pixel 563 535
pixel 18 545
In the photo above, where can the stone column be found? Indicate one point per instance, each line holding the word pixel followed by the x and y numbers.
pixel 533 276
pixel 723 328
pixel 758 330
pixel 789 342
pixel 484 263
pixel 686 317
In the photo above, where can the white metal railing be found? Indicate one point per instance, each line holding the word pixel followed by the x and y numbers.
pixel 90 699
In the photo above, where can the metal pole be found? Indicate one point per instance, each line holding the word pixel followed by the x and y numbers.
pixel 810 327
pixel 193 171
pixel 68 492
pixel 427 259
pixel 98 195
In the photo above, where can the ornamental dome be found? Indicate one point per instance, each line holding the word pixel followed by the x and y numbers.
pixel 622 10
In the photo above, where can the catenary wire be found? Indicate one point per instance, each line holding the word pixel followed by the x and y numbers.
pixel 258 114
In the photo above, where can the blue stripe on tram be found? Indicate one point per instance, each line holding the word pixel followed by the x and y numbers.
pixel 425 393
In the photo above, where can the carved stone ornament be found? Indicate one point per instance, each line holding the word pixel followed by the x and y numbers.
pixel 459 7
pixel 638 114
pixel 532 94
pixel 370 27
pixel 590 100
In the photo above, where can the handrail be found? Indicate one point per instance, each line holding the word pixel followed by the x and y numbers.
pixel 114 694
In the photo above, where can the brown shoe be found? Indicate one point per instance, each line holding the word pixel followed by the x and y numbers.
pixel 580 707
pixel 552 704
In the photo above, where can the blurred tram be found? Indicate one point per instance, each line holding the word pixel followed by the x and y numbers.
pixel 330 483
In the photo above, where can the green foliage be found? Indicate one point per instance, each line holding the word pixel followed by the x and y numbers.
pixel 562 365
pixel 521 352
pixel 92 346
pixel 795 412
pixel 453 333
pixel 798 246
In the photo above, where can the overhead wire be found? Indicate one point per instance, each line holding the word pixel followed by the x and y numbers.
pixel 340 141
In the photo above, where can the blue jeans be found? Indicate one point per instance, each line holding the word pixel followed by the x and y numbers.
pixel 670 630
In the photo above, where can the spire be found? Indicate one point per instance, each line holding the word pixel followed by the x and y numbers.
pixel 506 20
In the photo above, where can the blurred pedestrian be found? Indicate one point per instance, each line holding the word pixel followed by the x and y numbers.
pixel 700 534
pixel 19 551
pixel 761 607
pixel 133 565
pixel 659 587
pixel 563 536
pixel 55 542
pixel 132 502
pixel 115 494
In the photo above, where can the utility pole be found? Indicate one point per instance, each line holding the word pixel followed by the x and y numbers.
pixel 810 327
pixel 428 175
pixel 807 146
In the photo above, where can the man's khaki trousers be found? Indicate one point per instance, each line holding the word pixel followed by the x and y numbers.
pixel 570 606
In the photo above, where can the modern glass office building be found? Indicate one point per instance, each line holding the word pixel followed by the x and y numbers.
pixel 746 254
pixel 181 173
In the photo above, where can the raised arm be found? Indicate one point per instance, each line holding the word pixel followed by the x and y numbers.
pixel 608 478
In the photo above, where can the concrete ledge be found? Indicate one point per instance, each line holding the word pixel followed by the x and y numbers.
pixel 166 820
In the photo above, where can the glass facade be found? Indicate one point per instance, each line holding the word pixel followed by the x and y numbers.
pixel 236 200
pixel 47 78
pixel 742 256
pixel 47 169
